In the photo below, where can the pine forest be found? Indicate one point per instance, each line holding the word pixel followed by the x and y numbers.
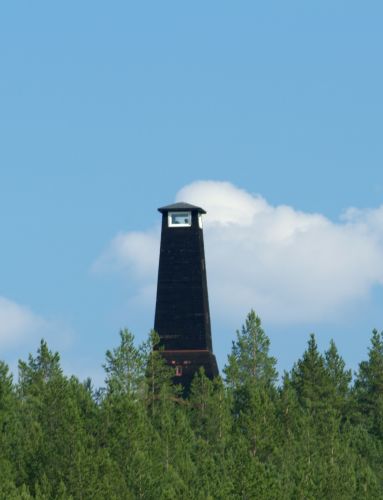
pixel 315 432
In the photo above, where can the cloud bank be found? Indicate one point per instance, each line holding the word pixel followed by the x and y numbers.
pixel 290 266
pixel 17 323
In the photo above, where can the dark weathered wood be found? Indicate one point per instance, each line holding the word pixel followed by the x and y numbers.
pixel 182 317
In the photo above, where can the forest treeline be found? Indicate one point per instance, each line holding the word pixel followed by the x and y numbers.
pixel 317 434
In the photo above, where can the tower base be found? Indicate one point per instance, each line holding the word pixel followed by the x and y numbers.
pixel 188 362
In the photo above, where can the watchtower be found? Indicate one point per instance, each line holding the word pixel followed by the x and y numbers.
pixel 182 317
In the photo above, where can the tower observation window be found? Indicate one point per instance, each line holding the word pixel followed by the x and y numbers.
pixel 179 219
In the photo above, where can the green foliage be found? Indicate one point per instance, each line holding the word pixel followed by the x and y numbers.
pixel 314 436
pixel 311 380
pixel 340 380
pixel 369 386
pixel 249 361
pixel 124 367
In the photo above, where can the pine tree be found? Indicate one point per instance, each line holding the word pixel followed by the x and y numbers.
pixel 10 445
pixel 125 429
pixel 125 367
pixel 369 386
pixel 368 418
pixel 159 386
pixel 323 450
pixel 311 380
pixel 250 377
pixel 340 379
pixel 249 361
pixel 8 487
pixel 209 409
pixel 209 413
pixel 57 445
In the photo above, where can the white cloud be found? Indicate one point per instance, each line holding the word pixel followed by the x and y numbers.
pixel 21 329
pixel 289 265
pixel 134 252
pixel 17 323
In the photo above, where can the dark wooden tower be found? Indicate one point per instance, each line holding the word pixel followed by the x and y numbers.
pixel 182 317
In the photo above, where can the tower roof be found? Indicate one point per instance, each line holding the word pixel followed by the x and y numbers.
pixel 181 207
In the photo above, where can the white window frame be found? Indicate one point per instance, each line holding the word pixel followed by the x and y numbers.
pixel 187 214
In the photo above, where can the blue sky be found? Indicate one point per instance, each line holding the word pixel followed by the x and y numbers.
pixel 107 111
